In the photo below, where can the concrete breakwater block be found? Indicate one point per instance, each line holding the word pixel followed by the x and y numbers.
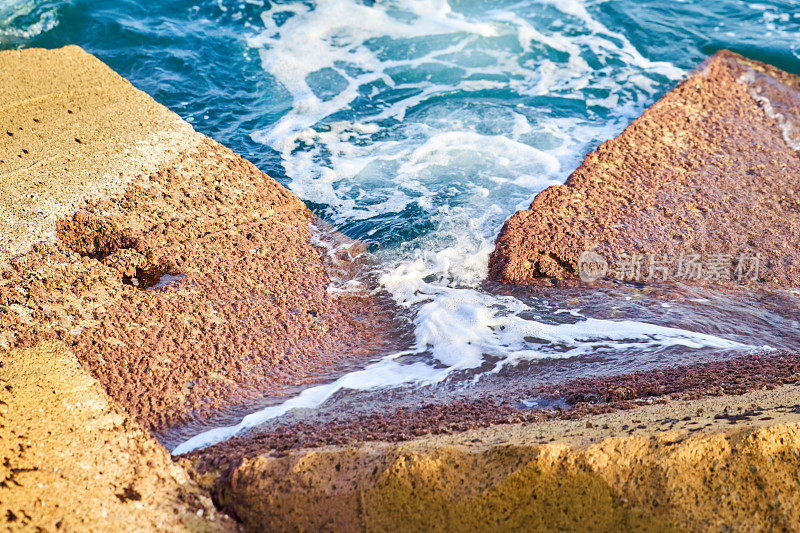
pixel 73 460
pixel 182 277
pixel 702 187
pixel 154 274
pixel 590 475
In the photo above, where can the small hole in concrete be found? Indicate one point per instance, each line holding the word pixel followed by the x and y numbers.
pixel 129 494
pixel 93 236
pixel 144 277
pixel 151 278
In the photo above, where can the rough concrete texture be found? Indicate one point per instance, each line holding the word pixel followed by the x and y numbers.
pixel 646 451
pixel 710 169
pixel 244 308
pixel 594 474
pixel 251 313
pixel 149 277
pixel 64 113
pixel 72 460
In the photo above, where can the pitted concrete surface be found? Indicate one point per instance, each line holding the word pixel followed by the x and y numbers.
pixel 183 278
pixel 72 130
pixel 73 460
pixel 710 170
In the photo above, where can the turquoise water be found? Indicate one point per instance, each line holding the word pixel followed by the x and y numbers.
pixel 420 126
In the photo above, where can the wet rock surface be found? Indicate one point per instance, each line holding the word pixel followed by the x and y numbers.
pixel 244 310
pixel 572 400
pixel 711 170
pixel 192 285
pixel 148 277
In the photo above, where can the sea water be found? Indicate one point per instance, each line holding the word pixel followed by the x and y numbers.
pixel 419 127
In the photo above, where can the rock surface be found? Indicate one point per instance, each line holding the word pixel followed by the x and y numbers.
pixel 71 130
pixel 710 172
pixel 73 460
pixel 680 467
pixel 570 400
pixel 183 278
pixel 149 277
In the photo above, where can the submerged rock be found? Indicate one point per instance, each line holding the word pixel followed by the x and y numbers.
pixel 702 187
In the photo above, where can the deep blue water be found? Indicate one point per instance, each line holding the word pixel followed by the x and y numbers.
pixel 194 58
pixel 420 126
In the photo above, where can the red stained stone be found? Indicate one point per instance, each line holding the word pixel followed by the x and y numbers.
pixel 711 168
pixel 249 314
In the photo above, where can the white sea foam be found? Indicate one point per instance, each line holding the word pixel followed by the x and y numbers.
pixel 408 112
pixel 424 49
pixel 382 374
pixel 25 19
pixel 787 124
pixel 459 328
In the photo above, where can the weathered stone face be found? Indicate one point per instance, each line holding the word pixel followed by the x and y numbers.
pixel 711 169
pixel 72 130
pixel 591 474
pixel 148 277
pixel 73 460
pixel 124 193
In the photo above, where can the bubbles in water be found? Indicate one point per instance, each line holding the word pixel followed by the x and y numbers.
pixel 407 109
pixel 422 128
pixel 23 20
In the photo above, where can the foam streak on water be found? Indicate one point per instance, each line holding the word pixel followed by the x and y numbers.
pixel 24 19
pixel 423 128
pixel 459 345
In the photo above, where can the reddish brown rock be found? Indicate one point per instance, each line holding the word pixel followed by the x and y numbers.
pixel 181 277
pixel 574 399
pixel 249 312
pixel 711 169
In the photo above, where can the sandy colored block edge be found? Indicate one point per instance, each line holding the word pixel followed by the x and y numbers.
pixel 72 459
pixel 79 133
pixel 677 466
